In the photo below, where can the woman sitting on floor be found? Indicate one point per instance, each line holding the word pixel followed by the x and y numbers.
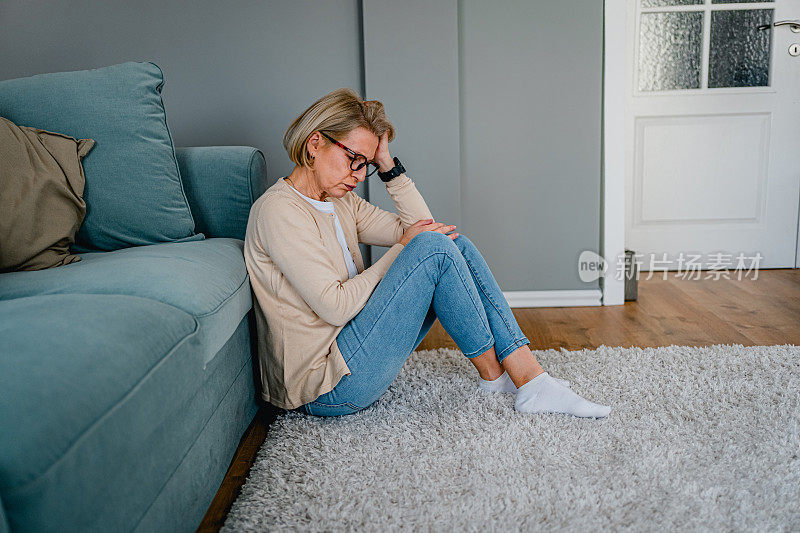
pixel 332 335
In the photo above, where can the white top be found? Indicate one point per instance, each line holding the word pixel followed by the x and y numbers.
pixel 327 207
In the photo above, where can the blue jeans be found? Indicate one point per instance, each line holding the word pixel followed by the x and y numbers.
pixel 433 276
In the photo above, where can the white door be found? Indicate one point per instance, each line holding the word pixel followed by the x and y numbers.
pixel 712 132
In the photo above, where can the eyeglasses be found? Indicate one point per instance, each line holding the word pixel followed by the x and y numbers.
pixel 357 161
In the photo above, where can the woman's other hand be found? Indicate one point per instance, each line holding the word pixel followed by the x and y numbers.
pixel 426 225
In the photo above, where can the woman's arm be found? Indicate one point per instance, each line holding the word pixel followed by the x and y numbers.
pixel 379 227
pixel 291 239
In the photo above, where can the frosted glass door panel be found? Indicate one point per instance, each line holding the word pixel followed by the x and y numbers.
pixel 739 53
pixel 670 50
pixel 697 46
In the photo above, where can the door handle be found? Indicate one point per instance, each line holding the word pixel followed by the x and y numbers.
pixel 794 25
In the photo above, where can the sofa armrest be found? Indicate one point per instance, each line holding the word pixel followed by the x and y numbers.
pixel 221 184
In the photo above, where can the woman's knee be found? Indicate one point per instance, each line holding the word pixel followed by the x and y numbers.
pixel 435 237
pixel 430 239
pixel 463 242
pixel 434 248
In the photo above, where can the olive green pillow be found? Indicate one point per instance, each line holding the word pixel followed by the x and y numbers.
pixel 41 196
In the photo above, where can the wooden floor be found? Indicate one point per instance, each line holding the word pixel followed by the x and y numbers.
pixel 702 312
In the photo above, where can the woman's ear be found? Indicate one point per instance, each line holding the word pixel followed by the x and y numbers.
pixel 313 143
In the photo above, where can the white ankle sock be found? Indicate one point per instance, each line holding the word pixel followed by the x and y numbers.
pixel 504 383
pixel 501 384
pixel 543 394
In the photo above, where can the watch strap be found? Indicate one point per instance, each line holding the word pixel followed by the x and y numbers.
pixel 394 172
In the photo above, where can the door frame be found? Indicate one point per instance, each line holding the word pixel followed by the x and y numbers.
pixel 612 204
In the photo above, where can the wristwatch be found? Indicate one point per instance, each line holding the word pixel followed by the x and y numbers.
pixel 393 173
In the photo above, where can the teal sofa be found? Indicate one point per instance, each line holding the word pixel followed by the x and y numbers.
pixel 126 378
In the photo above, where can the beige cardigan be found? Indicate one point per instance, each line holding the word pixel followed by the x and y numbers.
pixel 303 295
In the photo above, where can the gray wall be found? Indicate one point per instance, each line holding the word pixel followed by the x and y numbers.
pixel 531 94
pixel 236 73
pixel 497 104
pixel 411 65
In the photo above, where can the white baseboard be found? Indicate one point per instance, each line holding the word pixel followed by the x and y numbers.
pixel 558 298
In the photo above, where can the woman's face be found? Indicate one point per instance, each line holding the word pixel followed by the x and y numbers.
pixel 332 162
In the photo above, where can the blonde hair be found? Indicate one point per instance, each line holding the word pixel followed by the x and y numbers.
pixel 337 114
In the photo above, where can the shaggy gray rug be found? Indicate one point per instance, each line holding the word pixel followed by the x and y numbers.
pixel 697 439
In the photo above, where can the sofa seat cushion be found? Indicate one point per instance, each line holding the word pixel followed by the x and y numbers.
pixel 67 360
pixel 207 279
pixel 101 396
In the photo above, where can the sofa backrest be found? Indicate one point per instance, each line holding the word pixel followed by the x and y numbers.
pixel 133 194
